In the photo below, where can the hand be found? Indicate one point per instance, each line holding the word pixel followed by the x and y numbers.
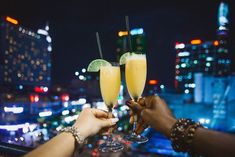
pixel 154 112
pixel 91 121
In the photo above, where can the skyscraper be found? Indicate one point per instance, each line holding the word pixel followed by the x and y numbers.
pixel 194 57
pixel 25 55
pixel 205 57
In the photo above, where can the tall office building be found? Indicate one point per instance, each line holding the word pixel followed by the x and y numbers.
pixel 191 58
pixel 137 39
pixel 208 57
pixel 25 55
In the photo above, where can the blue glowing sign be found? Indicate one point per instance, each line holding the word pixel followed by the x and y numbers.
pixel 137 31
pixel 223 14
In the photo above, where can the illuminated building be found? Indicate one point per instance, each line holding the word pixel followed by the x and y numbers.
pixel 204 57
pixel 25 55
pixel 137 39
pixel 199 57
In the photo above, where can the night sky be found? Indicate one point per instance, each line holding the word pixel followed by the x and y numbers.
pixel 73 25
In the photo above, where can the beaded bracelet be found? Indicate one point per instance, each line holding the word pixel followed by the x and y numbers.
pixel 76 134
pixel 182 134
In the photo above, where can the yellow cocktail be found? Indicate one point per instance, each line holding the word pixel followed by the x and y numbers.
pixel 110 80
pixel 136 71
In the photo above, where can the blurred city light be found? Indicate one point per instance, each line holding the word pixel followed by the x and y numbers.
pixel 21 87
pixel 162 86
pixel 48 38
pixel 76 73
pixel 122 33
pixel 186 91
pixel 196 41
pixel 47 28
pixel 153 82
pixel 41 89
pixel 49 48
pixel 65 112
pixel 45 113
pixel 14 109
pixel 137 31
pixel 179 45
pixel 183 54
pixel 216 43
pixel 70 119
pixel 209 58
pixel 11 20
pixel 42 32
pixel 34 98
pixel 12 127
pixel 81 77
pixel 45 89
pixel 83 70
pixel 79 101
pixel 65 97
pixel 204 120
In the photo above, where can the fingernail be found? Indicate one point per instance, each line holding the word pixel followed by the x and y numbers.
pixel 114 120
pixel 128 103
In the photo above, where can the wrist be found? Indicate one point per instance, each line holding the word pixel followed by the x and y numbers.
pixel 84 133
pixel 169 124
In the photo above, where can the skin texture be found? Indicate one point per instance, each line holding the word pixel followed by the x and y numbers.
pixel 154 111
pixel 89 123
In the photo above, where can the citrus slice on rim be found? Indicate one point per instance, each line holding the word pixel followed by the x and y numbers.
pixel 124 57
pixel 95 65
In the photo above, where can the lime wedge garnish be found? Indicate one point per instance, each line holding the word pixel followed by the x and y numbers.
pixel 124 57
pixel 95 65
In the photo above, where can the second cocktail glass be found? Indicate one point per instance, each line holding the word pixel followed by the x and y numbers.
pixel 110 80
pixel 136 72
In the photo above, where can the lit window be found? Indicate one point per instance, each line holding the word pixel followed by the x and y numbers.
pixel 40 77
pixel 37 62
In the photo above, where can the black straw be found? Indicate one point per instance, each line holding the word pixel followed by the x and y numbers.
pixel 129 32
pixel 99 45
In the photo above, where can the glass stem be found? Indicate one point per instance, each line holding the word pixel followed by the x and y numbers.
pixel 135 120
pixel 110 139
pixel 134 125
pixel 110 131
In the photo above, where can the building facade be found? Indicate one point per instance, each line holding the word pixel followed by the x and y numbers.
pixel 25 55
pixel 206 57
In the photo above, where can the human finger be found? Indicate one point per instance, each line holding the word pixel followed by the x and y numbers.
pixel 109 122
pixel 131 120
pixel 140 127
pixel 99 113
pixel 134 106
pixel 141 101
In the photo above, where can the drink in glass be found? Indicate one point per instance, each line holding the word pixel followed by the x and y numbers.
pixel 110 79
pixel 136 72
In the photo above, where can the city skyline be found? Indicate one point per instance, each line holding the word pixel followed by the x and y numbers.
pixel 73 31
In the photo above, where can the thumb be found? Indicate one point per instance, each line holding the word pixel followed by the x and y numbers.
pixel 109 122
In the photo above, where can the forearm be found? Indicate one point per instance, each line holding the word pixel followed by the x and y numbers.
pixel 212 143
pixel 62 145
